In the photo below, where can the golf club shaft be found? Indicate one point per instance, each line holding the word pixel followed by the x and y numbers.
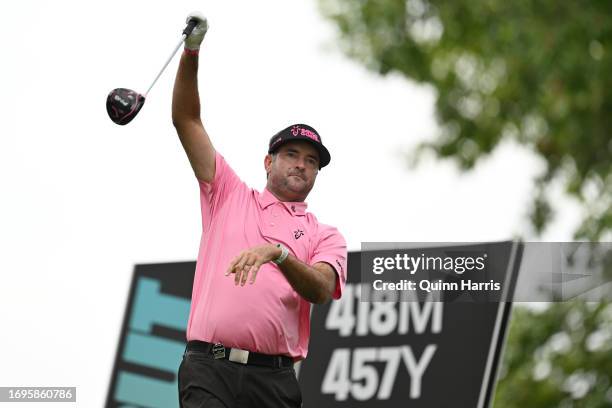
pixel 167 62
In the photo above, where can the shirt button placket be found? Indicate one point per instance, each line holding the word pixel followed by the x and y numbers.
pixel 274 214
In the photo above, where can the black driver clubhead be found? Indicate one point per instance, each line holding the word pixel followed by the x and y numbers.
pixel 123 104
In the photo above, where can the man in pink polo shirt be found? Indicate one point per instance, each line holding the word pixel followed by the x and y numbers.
pixel 263 261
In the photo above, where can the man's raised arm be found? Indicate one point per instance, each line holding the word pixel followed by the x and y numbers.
pixel 186 106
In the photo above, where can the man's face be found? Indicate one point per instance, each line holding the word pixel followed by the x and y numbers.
pixel 292 171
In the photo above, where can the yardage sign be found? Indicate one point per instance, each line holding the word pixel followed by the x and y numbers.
pixel 369 354
pixel 399 353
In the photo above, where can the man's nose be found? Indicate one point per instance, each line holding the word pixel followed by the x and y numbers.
pixel 300 162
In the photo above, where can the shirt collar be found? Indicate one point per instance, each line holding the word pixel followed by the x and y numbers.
pixel 266 198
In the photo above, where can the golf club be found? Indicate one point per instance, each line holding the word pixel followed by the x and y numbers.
pixel 123 104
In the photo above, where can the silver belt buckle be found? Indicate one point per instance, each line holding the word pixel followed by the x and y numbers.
pixel 239 356
pixel 218 351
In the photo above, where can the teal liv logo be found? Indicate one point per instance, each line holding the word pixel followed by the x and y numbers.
pixel 153 353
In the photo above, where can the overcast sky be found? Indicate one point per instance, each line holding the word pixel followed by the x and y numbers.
pixel 83 200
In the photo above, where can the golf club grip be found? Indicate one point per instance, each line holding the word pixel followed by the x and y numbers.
pixel 190 26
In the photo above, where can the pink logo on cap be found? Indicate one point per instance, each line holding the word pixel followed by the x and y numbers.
pixel 296 130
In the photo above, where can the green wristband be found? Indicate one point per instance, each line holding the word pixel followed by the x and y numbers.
pixel 284 254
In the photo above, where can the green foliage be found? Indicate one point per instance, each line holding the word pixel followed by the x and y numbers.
pixel 536 72
pixel 558 358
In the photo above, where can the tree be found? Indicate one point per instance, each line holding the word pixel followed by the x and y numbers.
pixel 536 72
pixel 558 357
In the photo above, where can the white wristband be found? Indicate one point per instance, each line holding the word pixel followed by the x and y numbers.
pixel 284 254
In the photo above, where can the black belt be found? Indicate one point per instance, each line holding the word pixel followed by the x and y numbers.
pixel 219 351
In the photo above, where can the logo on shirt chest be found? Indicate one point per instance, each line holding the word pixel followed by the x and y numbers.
pixel 298 233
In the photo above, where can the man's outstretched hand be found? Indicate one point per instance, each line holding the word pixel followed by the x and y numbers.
pixel 197 35
pixel 250 260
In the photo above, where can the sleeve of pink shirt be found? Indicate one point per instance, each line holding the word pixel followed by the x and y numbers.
pixel 331 249
pixel 214 194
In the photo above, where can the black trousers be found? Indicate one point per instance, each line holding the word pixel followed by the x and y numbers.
pixel 204 382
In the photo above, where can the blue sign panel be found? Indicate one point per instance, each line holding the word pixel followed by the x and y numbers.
pixel 152 337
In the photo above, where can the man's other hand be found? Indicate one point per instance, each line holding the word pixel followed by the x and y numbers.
pixel 250 260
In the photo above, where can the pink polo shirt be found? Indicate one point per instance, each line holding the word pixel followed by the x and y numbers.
pixel 268 316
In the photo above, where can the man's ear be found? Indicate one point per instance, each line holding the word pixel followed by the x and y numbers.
pixel 268 163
